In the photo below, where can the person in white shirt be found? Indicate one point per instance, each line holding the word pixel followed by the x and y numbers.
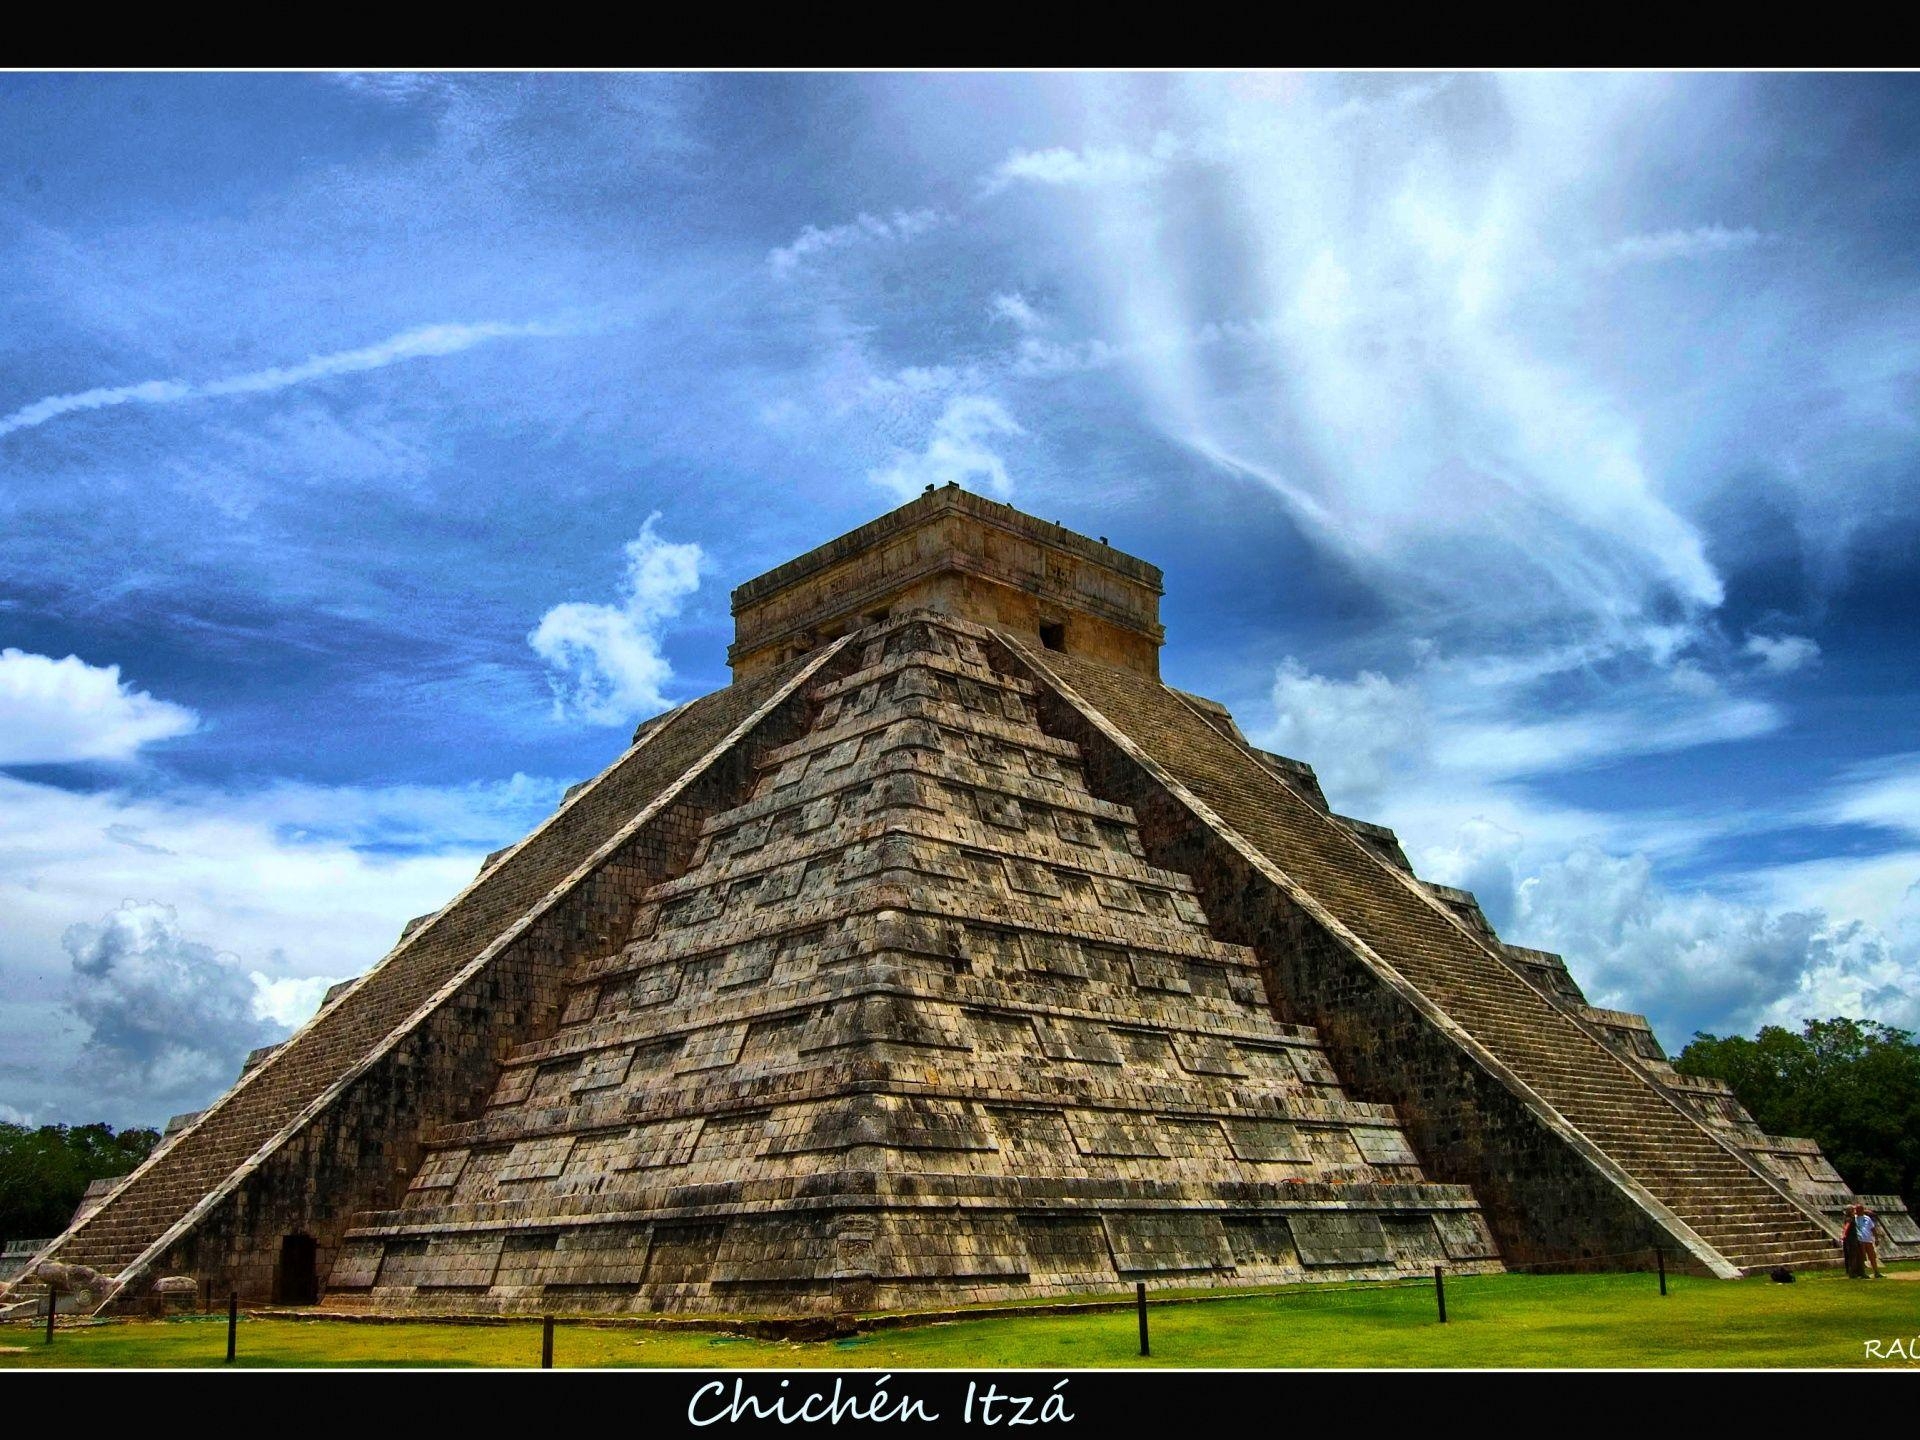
pixel 1866 1230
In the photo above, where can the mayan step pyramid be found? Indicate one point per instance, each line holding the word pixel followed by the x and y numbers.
pixel 920 1021
pixel 947 955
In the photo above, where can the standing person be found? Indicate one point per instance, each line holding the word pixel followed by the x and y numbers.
pixel 1850 1247
pixel 1867 1226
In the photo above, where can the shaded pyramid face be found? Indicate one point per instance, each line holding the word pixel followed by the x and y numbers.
pixel 919 1024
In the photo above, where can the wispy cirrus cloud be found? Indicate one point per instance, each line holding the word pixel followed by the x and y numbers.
pixel 1464 727
pixel 1398 394
pixel 422 342
pixel 814 242
pixel 1684 243
pixel 397 86
pixel 1883 792
pixel 1086 166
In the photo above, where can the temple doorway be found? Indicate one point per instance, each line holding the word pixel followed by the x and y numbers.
pixel 296 1281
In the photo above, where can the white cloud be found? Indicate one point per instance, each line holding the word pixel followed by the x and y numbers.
pixel 813 242
pixel 1357 734
pixel 423 342
pixel 1881 890
pixel 1781 654
pixel 1014 309
pixel 289 1001
pixel 912 385
pixel 608 658
pixel 1438 756
pixel 1690 678
pixel 1857 970
pixel 394 818
pixel 167 1017
pixel 1089 166
pixel 256 900
pixel 1700 961
pixel 1038 356
pixel 1404 382
pixel 1681 244
pixel 1461 725
pixel 1768 945
pixel 1119 163
pixel 956 451
pixel 1504 748
pixel 1472 851
pixel 62 711
pixel 396 86
pixel 1883 792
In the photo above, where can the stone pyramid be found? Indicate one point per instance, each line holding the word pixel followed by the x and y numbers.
pixel 947 954
pixel 919 1023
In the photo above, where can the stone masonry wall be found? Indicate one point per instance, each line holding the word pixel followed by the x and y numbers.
pixel 1544 1204
pixel 361 1151
pixel 919 1025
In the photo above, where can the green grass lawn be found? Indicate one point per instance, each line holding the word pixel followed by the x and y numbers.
pixel 1497 1320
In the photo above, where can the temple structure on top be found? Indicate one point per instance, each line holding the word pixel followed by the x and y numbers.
pixel 948 955
pixel 952 553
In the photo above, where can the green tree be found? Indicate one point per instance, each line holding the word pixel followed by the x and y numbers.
pixel 44 1172
pixel 1851 1085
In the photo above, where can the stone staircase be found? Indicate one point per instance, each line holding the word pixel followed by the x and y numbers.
pixel 272 1096
pixel 1715 1192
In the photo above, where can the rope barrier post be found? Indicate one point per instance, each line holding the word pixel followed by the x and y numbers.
pixel 1440 1292
pixel 206 1295
pixel 1660 1256
pixel 546 1342
pixel 233 1322
pixel 1140 1302
pixel 52 1300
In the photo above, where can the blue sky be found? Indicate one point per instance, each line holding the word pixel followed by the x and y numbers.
pixel 1532 454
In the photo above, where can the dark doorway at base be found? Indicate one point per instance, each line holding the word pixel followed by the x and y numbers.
pixel 296 1280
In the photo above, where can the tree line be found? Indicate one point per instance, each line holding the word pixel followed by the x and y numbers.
pixel 1853 1086
pixel 45 1171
